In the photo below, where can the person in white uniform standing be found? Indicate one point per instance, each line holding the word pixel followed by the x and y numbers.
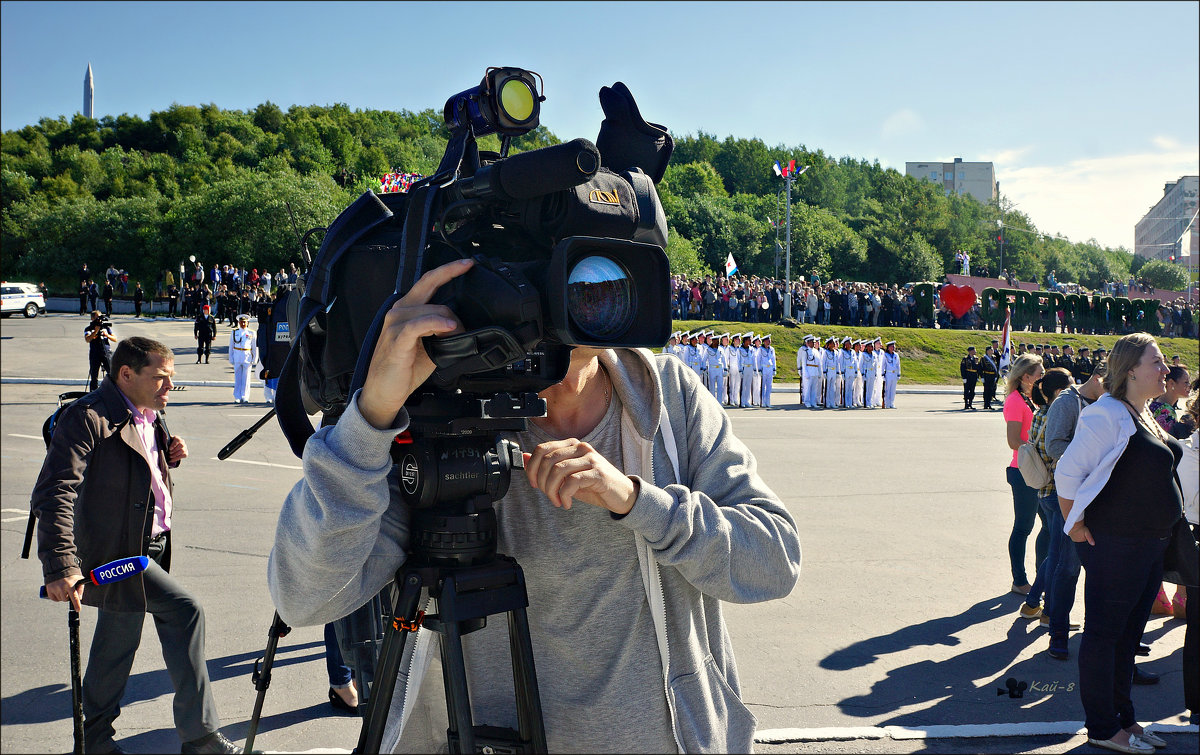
pixel 243 354
pixel 734 362
pixel 830 364
pixel 749 357
pixel 891 375
pixel 766 365
pixel 716 365
pixel 808 364
pixel 870 373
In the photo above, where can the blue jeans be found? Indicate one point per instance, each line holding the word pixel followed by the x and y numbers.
pixel 1025 512
pixel 1062 569
pixel 1123 577
pixel 339 673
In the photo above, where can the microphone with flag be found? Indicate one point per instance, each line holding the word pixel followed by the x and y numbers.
pixel 730 265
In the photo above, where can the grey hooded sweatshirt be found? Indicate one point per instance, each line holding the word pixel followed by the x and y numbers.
pixel 719 535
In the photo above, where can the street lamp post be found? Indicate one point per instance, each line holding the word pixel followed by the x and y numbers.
pixel 787 272
pixel 1001 224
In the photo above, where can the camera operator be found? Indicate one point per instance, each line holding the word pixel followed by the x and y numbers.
pixel 104 492
pixel 658 554
pixel 100 338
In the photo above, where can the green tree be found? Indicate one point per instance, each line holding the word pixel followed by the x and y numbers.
pixel 1164 274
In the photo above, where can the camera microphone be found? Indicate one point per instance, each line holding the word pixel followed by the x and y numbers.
pixel 113 571
pixel 534 173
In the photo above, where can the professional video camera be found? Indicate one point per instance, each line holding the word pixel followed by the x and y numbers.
pixel 568 244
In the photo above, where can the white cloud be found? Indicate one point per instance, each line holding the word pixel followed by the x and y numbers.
pixel 902 123
pixel 1101 198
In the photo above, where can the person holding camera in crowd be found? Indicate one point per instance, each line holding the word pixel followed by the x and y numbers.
pixel 100 338
pixel 1120 498
pixel 602 526
pixel 105 492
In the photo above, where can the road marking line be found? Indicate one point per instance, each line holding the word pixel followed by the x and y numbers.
pixel 259 463
pixel 14 518
pixel 31 437
pixel 947 731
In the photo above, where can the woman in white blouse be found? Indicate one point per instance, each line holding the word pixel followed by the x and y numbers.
pixel 1120 499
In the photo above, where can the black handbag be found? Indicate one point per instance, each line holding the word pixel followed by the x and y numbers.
pixel 1181 561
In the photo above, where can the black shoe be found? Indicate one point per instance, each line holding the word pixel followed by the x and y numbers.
pixel 213 743
pixel 1142 649
pixel 339 704
pixel 112 747
pixel 1144 677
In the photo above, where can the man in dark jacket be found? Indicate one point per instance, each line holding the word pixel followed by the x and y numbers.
pixel 104 492
pixel 204 331
pixel 968 368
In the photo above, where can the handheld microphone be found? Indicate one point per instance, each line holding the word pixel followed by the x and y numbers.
pixel 534 173
pixel 113 571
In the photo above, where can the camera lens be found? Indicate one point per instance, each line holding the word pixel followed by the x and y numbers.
pixel 600 298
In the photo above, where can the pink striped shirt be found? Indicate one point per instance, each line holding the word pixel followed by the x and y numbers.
pixel 143 423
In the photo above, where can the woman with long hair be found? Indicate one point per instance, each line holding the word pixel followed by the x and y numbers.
pixel 1120 499
pixel 1018 417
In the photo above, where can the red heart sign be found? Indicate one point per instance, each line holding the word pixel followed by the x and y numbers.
pixel 958 299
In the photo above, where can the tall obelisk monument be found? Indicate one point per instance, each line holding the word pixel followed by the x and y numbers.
pixel 89 95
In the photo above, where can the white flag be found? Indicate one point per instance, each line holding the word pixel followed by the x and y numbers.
pixel 1006 342
pixel 730 266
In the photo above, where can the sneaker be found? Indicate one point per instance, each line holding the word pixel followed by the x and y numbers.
pixel 1136 745
pixel 218 744
pixel 1153 739
pixel 1030 612
pixel 1021 589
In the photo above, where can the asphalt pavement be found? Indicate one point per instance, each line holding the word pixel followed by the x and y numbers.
pixel 899 637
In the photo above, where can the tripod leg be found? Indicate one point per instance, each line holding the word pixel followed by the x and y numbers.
pixel 530 725
pixel 76 678
pixel 458 699
pixel 407 595
pixel 262 680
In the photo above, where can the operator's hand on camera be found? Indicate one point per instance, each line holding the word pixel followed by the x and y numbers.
pixel 68 588
pixel 566 469
pixel 400 364
pixel 176 450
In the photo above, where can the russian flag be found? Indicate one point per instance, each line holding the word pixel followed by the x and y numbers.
pixel 730 265
pixel 778 172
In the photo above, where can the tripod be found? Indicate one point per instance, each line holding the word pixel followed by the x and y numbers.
pixel 454 558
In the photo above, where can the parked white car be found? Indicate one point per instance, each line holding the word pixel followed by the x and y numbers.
pixel 21 297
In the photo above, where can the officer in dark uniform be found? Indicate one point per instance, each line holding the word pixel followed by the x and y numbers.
pixel 990 372
pixel 1083 366
pixel 1067 360
pixel 83 295
pixel 969 369
pixel 1100 355
pixel 1048 360
pixel 205 330
pixel 172 299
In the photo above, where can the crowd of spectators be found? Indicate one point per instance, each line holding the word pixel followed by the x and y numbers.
pixel 754 299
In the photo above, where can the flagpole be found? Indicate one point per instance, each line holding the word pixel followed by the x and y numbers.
pixel 787 265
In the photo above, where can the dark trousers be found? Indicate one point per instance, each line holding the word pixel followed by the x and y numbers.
pixel 1123 577
pixel 202 349
pixel 173 303
pixel 97 362
pixel 83 304
pixel 1191 646
pixel 969 391
pixel 179 620
pixel 989 392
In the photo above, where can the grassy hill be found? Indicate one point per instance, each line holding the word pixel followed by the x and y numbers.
pixel 930 357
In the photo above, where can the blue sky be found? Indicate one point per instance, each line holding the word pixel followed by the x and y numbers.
pixel 1086 109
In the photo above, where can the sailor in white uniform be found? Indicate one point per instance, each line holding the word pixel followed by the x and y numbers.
pixel 870 373
pixel 243 354
pixel 846 374
pixel 716 366
pixel 808 364
pixel 672 346
pixel 857 390
pixel 891 375
pixel 766 365
pixel 733 370
pixel 829 363
pixel 749 357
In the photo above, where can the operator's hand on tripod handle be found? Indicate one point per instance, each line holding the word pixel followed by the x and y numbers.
pixel 68 588
pixel 400 363
pixel 566 469
pixel 176 450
